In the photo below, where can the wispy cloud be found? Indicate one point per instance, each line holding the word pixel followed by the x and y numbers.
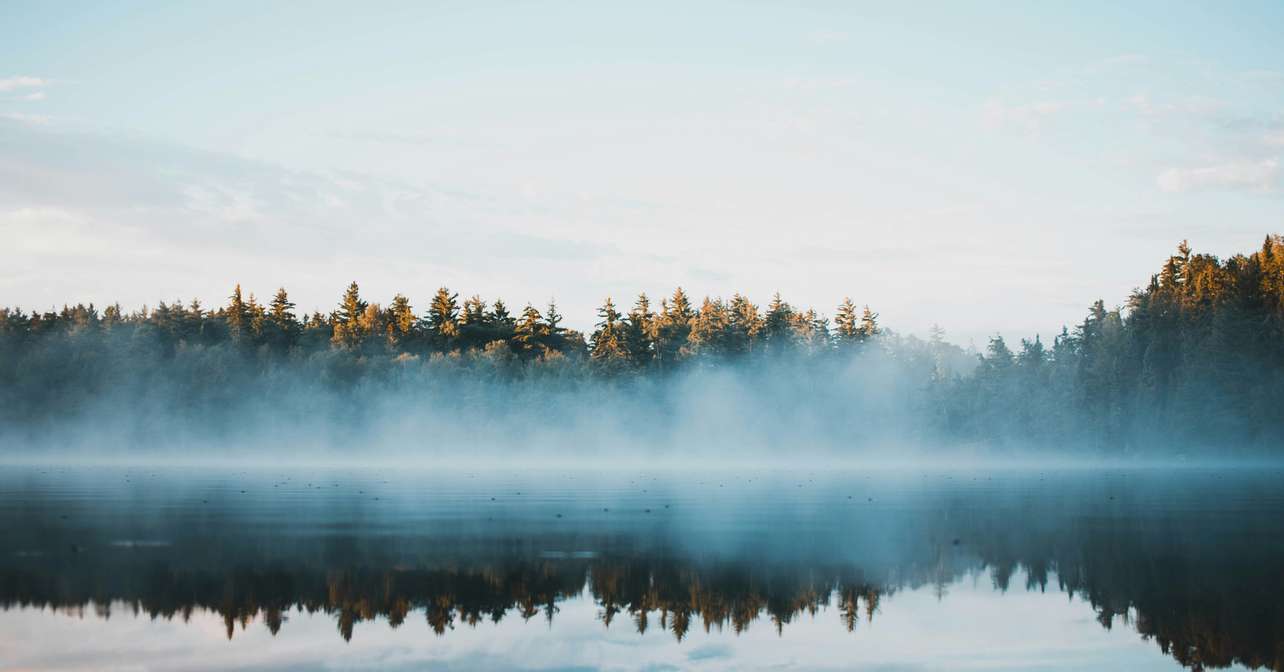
pixel 1026 116
pixel 1124 59
pixel 1260 175
pixel 22 82
pixel 1145 106
pixel 22 118
pixel 826 37
pixel 1263 76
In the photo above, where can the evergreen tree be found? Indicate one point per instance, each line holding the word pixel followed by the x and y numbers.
pixel 403 327
pixel 258 319
pixel 846 323
pixel 346 319
pixel 674 329
pixel 868 325
pixel 530 333
pixel 442 320
pixel 711 330
pixel 607 348
pixel 639 331
pixel 745 325
pixel 238 316
pixel 777 330
pixel 284 325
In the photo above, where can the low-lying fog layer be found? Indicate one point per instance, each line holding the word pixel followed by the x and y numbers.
pixel 874 406
pixel 1194 364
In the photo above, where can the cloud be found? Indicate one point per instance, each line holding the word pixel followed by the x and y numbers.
pixel 31 119
pixel 1271 77
pixel 22 82
pixel 827 37
pixel 1240 175
pixel 1027 116
pixel 39 95
pixel 821 83
pixel 163 220
pixel 1125 59
pixel 1201 108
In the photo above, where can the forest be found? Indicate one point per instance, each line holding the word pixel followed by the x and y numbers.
pixel 1192 361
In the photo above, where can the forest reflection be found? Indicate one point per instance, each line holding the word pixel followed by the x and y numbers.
pixel 1207 606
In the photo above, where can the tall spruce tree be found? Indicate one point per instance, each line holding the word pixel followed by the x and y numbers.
pixel 442 321
pixel 607 348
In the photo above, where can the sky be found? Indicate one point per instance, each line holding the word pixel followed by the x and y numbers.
pixel 991 167
pixel 971 626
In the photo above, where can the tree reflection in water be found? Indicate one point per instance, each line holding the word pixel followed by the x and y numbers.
pixel 1205 587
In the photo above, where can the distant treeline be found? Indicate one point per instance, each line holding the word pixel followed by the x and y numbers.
pixel 1196 356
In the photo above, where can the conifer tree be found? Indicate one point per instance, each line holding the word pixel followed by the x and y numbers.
pixel 258 319
pixel 777 325
pixel 606 347
pixel 285 326
pixel 238 316
pixel 402 324
pixel 868 324
pixel 639 330
pixel 846 323
pixel 553 318
pixel 711 330
pixel 530 332
pixel 674 329
pixel 442 321
pixel 745 325
pixel 346 319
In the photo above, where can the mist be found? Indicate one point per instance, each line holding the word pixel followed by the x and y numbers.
pixel 1191 368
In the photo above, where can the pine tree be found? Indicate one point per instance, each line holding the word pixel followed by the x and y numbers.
pixel 530 332
pixel 607 348
pixel 868 325
pixel 346 319
pixel 745 325
pixel 500 316
pixel 258 319
pixel 674 329
pixel 639 330
pixel 711 330
pixel 846 323
pixel 238 316
pixel 777 325
pixel 285 326
pixel 442 321
pixel 553 318
pixel 402 324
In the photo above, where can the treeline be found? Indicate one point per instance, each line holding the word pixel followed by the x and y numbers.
pixel 1196 357
pixel 643 339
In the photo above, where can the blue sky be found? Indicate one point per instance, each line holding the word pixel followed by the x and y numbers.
pixel 985 166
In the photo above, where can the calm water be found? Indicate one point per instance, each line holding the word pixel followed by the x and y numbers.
pixel 166 568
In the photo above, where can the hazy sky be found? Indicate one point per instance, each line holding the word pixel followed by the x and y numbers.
pixel 986 166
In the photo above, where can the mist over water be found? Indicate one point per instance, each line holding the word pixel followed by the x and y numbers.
pixel 1187 559
pixel 427 412
pixel 1194 367
pixel 561 337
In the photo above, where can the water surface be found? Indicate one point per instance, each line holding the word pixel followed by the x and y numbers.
pixel 182 568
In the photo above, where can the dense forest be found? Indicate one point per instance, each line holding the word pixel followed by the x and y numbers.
pixel 1193 360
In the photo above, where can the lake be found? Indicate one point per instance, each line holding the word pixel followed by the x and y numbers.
pixel 173 568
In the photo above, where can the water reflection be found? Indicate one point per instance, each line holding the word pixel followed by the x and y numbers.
pixel 1192 562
